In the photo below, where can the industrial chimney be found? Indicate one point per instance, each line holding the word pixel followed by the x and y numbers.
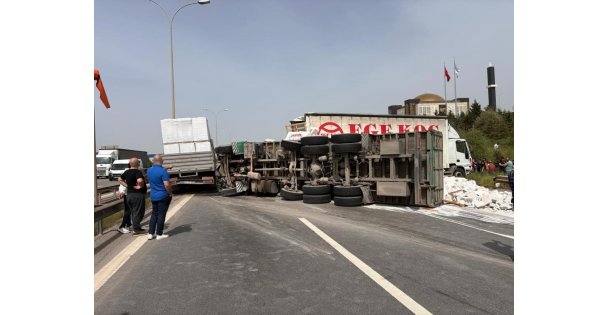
pixel 491 88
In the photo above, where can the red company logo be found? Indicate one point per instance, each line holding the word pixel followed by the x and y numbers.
pixel 331 127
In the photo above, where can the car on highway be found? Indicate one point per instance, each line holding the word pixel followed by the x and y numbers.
pixel 120 166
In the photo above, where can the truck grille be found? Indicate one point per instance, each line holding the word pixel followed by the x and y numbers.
pixel 101 171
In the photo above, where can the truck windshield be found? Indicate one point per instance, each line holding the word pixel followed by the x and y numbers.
pixel 103 160
pixel 461 146
pixel 119 167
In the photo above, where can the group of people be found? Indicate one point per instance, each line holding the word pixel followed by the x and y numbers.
pixel 505 165
pixel 133 189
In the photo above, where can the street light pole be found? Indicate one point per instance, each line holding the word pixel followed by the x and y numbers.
pixel 216 116
pixel 170 19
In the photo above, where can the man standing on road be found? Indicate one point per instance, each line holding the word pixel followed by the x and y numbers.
pixel 160 195
pixel 133 179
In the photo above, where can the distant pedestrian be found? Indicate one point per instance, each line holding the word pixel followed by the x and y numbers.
pixel 160 195
pixel 474 166
pixel 480 165
pixel 133 179
pixel 511 183
pixel 491 168
pixel 509 166
pixel 502 164
pixel 125 226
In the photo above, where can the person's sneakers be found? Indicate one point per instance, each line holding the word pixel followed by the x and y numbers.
pixel 160 237
pixel 124 230
pixel 150 236
pixel 138 233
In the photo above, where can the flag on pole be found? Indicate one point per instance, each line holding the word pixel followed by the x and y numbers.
pixel 446 74
pixel 102 92
pixel 456 70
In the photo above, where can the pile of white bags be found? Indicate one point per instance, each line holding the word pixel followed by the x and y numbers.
pixel 466 193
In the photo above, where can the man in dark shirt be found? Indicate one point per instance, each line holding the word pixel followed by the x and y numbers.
pixel 133 179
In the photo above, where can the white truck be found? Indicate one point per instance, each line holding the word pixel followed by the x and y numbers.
pixel 457 159
pixel 107 154
pixel 188 151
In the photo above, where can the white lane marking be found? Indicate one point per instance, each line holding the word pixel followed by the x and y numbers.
pixel 106 272
pixel 432 215
pixel 403 298
pixel 467 225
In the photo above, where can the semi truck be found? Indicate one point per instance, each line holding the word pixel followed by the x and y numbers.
pixel 188 151
pixel 107 154
pixel 457 159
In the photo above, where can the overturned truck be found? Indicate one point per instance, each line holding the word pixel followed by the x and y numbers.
pixel 351 169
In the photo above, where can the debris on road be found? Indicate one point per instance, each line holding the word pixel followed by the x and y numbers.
pixel 466 193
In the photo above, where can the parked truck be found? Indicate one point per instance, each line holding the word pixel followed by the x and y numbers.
pixel 107 154
pixel 188 151
pixel 457 159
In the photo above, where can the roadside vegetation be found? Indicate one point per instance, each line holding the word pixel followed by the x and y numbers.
pixel 482 129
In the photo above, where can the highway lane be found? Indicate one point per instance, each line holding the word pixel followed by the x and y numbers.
pixel 254 255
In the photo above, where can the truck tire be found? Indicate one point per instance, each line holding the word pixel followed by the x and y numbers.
pixel 315 149
pixel 345 138
pixel 317 198
pixel 346 148
pixel 347 191
pixel 291 145
pixel 459 172
pixel 291 195
pixel 225 149
pixel 348 201
pixel 316 190
pixel 314 140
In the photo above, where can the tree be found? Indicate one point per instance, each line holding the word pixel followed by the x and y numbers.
pixel 493 125
pixel 475 110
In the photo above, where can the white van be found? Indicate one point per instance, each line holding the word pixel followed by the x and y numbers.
pixel 119 167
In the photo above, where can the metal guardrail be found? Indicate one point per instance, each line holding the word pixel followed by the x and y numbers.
pixel 110 205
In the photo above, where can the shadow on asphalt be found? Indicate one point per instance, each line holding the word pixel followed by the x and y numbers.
pixel 195 189
pixel 501 247
pixel 184 228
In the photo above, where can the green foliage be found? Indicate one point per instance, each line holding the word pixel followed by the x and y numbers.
pixel 492 124
pixel 481 146
pixel 483 179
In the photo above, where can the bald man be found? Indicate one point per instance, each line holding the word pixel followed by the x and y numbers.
pixel 160 195
pixel 133 179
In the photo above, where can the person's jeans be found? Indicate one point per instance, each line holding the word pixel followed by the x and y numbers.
pixel 159 211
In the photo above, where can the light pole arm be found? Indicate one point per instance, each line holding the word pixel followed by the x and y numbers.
pixel 164 11
pixel 174 14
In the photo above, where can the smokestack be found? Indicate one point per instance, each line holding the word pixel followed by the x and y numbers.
pixel 491 88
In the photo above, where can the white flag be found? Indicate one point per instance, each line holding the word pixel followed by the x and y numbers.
pixel 456 70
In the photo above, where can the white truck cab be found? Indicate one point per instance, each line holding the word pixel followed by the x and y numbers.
pixel 119 167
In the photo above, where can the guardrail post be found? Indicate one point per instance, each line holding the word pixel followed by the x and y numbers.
pixel 99 225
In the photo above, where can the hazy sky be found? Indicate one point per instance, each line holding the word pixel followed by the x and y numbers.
pixel 271 61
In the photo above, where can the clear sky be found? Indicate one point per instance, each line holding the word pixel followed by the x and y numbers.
pixel 269 61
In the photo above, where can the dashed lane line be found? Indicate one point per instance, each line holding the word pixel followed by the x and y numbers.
pixel 106 272
pixel 403 298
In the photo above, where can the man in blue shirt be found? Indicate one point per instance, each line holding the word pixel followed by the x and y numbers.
pixel 160 195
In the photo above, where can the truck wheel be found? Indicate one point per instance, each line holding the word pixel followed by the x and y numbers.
pixel 314 140
pixel 315 149
pixel 290 145
pixel 348 201
pixel 291 195
pixel 346 148
pixel 345 138
pixel 347 191
pixel 317 198
pixel 459 172
pixel 225 149
pixel 316 190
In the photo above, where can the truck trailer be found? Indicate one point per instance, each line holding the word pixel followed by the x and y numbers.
pixel 457 159
pixel 107 154
pixel 188 151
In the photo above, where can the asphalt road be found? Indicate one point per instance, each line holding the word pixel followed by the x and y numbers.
pixel 248 255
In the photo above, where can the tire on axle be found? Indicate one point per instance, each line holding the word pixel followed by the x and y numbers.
pixel 314 140
pixel 315 149
pixel 316 189
pixel 345 138
pixel 348 201
pixel 347 191
pixel 316 199
pixel 291 195
pixel 346 148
